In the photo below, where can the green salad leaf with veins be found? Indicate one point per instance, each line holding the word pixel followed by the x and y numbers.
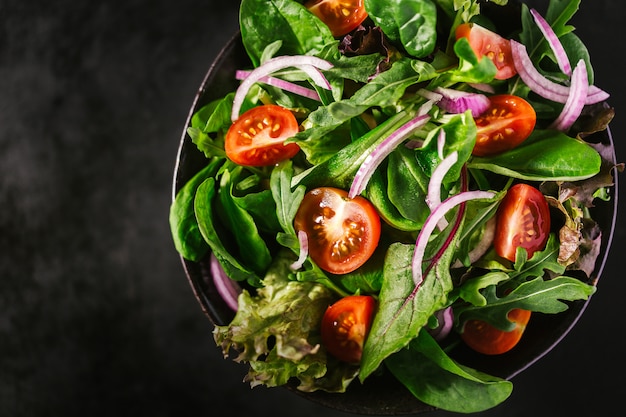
pixel 381 78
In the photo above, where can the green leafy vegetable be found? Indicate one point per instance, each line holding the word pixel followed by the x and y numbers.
pixel 434 378
pixel 545 156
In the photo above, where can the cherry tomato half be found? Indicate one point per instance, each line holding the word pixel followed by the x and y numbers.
pixel 343 233
pixel 487 43
pixel 257 137
pixel 522 220
pixel 341 16
pixel 485 338
pixel 507 122
pixel 345 326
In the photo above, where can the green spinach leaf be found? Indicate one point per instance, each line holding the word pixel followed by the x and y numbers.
pixel 188 240
pixel 546 155
pixel 302 33
pixel 436 379
pixel 412 23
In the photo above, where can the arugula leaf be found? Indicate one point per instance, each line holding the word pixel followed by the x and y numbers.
pixel 544 296
pixel 470 290
pixel 539 263
pixel 436 379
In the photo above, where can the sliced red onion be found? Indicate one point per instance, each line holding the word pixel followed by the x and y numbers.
pixel 482 246
pixel 441 141
pixel 433 198
pixel 455 101
pixel 283 85
pixel 483 87
pixel 367 168
pixel 541 85
pixel 316 75
pixel 432 221
pixel 429 94
pixel 227 288
pixel 554 42
pixel 303 239
pixel 309 64
pixel 445 318
pixel 576 100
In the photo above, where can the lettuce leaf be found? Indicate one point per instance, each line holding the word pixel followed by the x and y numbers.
pixel 276 331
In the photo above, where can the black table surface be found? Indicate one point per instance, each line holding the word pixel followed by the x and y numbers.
pixel 96 315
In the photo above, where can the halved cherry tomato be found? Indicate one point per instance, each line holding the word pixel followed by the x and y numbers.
pixel 257 137
pixel 507 122
pixel 341 16
pixel 485 338
pixel 345 326
pixel 487 43
pixel 343 233
pixel 522 220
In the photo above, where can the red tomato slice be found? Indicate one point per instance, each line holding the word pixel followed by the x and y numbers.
pixel 487 43
pixel 345 326
pixel 507 122
pixel 341 16
pixel 343 233
pixel 485 338
pixel 522 220
pixel 257 137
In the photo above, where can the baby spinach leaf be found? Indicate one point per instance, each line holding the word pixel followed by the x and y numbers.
pixel 460 134
pixel 187 238
pixel 287 201
pixel 407 185
pixel 302 33
pixel 546 155
pixel 412 23
pixel 205 216
pixel 262 208
pixel 377 195
pixel 436 379
pixel 252 248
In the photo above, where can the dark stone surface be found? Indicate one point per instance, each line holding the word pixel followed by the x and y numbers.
pixel 96 316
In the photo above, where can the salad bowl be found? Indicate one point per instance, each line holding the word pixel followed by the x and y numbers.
pixel 383 394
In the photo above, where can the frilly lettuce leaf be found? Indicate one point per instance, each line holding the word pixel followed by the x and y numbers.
pixel 276 331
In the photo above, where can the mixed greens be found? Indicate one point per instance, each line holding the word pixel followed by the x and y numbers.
pixel 389 112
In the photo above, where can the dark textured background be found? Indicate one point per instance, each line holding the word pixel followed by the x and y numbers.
pixel 96 316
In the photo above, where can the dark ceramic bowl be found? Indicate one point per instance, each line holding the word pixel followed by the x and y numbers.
pixel 382 395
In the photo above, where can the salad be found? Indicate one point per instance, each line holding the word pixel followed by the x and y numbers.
pixel 393 179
